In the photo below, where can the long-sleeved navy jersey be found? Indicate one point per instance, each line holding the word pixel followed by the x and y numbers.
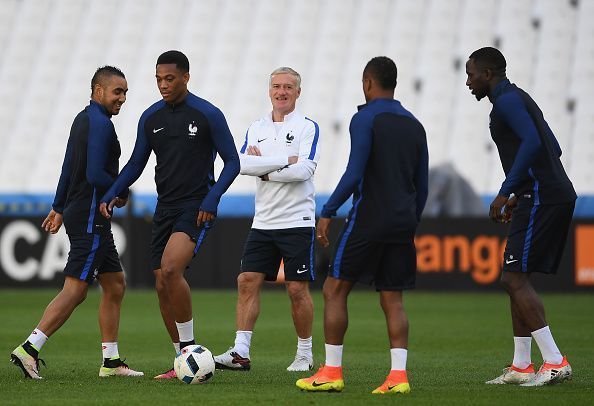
pixel 528 149
pixel 90 167
pixel 185 138
pixel 387 173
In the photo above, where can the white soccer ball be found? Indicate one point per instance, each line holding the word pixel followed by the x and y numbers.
pixel 194 364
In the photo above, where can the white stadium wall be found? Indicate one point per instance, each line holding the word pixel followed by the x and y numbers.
pixel 49 50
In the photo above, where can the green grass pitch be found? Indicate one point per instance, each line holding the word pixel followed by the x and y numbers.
pixel 457 341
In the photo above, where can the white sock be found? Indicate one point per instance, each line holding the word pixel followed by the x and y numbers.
pixel 243 341
pixel 176 347
pixel 398 356
pixel 522 357
pixel 185 330
pixel 37 338
pixel 304 346
pixel 546 344
pixel 110 350
pixel 333 355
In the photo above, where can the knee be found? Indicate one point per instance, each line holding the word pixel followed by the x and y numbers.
pixel 118 288
pixel 82 295
pixel 391 301
pixel 298 291
pixel 169 269
pixel 114 286
pixel 248 282
pixel 512 282
pixel 159 282
pixel 333 290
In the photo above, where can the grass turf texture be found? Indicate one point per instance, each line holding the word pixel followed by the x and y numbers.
pixel 457 341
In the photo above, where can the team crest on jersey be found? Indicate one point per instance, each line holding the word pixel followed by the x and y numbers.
pixel 289 138
pixel 192 130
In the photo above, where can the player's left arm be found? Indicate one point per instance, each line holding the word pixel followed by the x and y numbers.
pixel 309 154
pixel 513 110
pixel 225 147
pixel 422 177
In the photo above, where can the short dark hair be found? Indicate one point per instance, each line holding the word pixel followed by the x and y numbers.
pixel 176 57
pixel 383 70
pixel 492 58
pixel 103 73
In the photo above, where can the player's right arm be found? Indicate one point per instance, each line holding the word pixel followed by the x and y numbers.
pixel 53 221
pixel 257 165
pixel 131 171
pixel 361 138
pixel 512 109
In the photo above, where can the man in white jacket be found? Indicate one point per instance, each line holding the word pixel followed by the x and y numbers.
pixel 281 152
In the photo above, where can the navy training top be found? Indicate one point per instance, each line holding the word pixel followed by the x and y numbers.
pixel 90 166
pixel 387 173
pixel 185 138
pixel 528 149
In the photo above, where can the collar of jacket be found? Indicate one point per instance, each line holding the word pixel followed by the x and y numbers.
pixel 498 89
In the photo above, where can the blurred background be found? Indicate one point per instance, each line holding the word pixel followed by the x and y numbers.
pixel 49 50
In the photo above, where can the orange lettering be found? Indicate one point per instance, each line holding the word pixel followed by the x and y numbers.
pixel 428 253
pixel 485 259
pixel 450 246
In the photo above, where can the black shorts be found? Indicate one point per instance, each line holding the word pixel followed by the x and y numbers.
pixel 264 250
pixel 91 255
pixel 387 265
pixel 537 237
pixel 169 220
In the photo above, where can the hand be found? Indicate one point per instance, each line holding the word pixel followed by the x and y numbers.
pixel 293 160
pixel 252 150
pixel 495 208
pixel 107 209
pixel 52 222
pixel 509 208
pixel 204 217
pixel 322 229
pixel 119 202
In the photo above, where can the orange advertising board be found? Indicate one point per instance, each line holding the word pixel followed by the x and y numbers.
pixel 584 255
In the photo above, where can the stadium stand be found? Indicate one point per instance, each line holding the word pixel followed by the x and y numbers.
pixel 49 49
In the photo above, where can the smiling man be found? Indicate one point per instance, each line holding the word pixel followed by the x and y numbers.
pixel 185 132
pixel 90 167
pixel 281 152
pixel 538 199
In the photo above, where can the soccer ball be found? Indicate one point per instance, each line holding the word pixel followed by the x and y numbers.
pixel 194 364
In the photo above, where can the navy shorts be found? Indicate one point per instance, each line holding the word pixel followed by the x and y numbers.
pixel 169 220
pixel 388 265
pixel 264 250
pixel 91 255
pixel 537 237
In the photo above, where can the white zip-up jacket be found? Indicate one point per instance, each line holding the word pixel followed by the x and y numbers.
pixel 286 200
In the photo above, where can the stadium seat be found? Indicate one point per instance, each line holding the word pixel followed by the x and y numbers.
pixel 52 48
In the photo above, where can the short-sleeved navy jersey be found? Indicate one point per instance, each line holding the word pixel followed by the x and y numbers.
pixel 185 138
pixel 528 149
pixel 90 167
pixel 387 173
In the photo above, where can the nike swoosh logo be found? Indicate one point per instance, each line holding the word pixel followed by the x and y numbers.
pixel 507 261
pixel 157 130
pixel 315 384
pixel 301 270
pixel 263 139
